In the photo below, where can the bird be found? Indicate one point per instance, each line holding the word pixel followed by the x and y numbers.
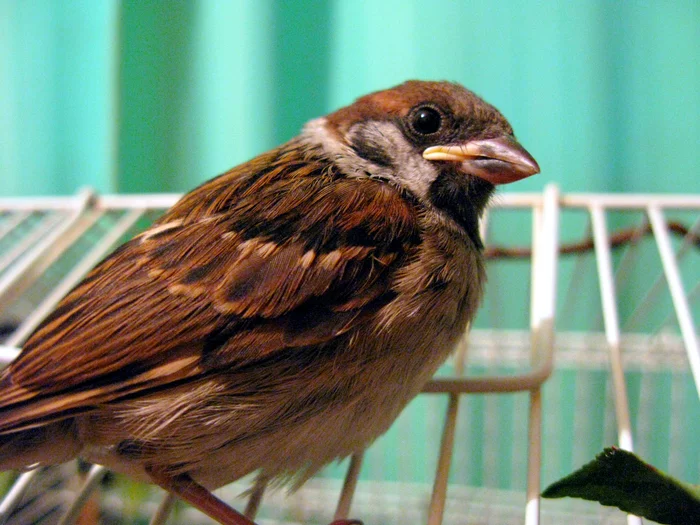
pixel 279 316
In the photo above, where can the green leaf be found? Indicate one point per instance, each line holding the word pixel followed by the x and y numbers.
pixel 620 479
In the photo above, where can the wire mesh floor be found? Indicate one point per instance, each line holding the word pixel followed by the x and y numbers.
pixel 620 274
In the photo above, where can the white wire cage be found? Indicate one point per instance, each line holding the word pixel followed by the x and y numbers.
pixel 618 273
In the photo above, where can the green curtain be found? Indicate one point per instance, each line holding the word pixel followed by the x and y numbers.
pixel 155 96
pixel 135 96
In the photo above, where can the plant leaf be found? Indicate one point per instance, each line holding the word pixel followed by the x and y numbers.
pixel 619 478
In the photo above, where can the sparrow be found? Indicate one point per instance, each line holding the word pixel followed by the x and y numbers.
pixel 280 316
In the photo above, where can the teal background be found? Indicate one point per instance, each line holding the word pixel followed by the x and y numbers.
pixel 141 96
pixel 154 96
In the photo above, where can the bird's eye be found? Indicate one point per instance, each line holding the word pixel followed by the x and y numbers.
pixel 426 120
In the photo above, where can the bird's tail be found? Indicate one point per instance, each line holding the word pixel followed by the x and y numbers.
pixel 21 446
pixel 50 444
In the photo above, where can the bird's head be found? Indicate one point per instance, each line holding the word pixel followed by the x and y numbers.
pixel 435 140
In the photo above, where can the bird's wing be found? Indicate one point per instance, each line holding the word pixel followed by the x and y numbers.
pixel 297 262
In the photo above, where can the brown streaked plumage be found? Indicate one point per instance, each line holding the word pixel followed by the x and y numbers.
pixel 279 316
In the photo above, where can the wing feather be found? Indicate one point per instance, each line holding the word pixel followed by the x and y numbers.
pixel 287 259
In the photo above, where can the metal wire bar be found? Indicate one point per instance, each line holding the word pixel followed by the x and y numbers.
pixel 647 302
pixel 14 496
pixel 256 496
pixel 694 293
pixel 574 286
pixel 436 509
pixel 534 430
pixel 532 505
pixel 13 222
pixel 612 331
pixel 23 273
pixel 342 510
pixel 484 224
pixel 504 200
pixel 622 201
pixel 7 354
pixel 547 241
pixel 687 243
pixel 69 202
pixel 98 251
pixel 166 200
pixel 680 303
pixel 494 384
pixel 543 303
pixel 438 497
pixel 626 263
pixel 92 481
pixel 41 510
pixel 47 224
pixel 542 286
pixel 152 201
pixel 612 324
pixel 160 516
pixel 689 240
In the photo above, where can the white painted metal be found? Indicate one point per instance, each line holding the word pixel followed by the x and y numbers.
pixel 95 475
pixel 612 331
pixel 680 303
pixel 74 215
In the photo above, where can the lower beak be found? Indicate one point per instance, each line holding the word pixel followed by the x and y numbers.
pixel 499 160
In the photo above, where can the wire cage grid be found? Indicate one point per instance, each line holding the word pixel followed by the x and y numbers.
pixel 57 224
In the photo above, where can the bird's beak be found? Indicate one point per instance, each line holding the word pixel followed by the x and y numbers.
pixel 499 160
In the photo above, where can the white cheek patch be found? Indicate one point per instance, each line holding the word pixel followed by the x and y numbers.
pixel 409 169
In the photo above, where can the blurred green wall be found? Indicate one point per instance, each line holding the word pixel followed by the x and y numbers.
pixel 136 96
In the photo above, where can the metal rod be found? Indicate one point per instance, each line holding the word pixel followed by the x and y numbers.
pixel 550 261
pixel 14 496
pixel 543 288
pixel 7 354
pixel 349 485
pixel 629 257
pixel 484 225
pixel 43 203
pixel 688 241
pixel 505 200
pixel 47 223
pixel 164 509
pixel 532 505
pixel 151 201
pixel 680 254
pixel 612 331
pixel 534 432
pixel 645 304
pixel 13 222
pixel 574 285
pixel 543 304
pixel 438 497
pixel 612 324
pixel 620 201
pixel 98 251
pixel 25 271
pixel 680 302
pixel 92 481
pixel 493 384
pixel 442 473
pixel 256 497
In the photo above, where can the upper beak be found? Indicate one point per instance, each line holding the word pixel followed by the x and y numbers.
pixel 499 160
